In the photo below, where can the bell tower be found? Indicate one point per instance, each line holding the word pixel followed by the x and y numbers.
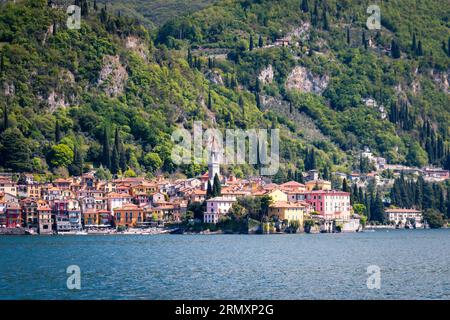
pixel 214 160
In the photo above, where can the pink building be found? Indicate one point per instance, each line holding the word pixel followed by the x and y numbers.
pixel 330 204
pixel 216 207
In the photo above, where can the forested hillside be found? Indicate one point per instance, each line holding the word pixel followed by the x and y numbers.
pixel 111 93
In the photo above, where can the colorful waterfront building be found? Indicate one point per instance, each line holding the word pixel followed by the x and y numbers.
pixel 318 184
pixel 129 215
pixel 13 215
pixel 330 204
pixel 290 211
pixel 217 207
pixel 45 218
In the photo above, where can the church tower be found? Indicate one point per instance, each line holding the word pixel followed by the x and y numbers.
pixel 214 161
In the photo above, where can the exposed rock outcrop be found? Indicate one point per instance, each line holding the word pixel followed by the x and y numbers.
pixel 303 80
pixel 215 77
pixel 266 75
pixel 137 45
pixel 113 76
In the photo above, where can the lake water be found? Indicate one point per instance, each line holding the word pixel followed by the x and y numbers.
pixel 414 264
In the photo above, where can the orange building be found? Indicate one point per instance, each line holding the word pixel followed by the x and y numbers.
pixel 129 215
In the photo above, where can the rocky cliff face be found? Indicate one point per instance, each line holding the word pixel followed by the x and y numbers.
pixel 266 75
pixel 301 79
pixel 113 76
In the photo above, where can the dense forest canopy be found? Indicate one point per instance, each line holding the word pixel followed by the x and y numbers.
pixel 111 93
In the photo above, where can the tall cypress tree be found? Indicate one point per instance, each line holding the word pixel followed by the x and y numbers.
pixel 345 186
pixel 251 43
pixel 115 161
pixel 209 192
pixel 121 151
pixel 304 7
pixel 414 44
pixel 217 188
pixel 106 153
pixel 419 51
pixel 209 100
pixel 395 49
pixel 189 58
pixel 326 25
pixel 76 168
pixel 57 132
pixel 5 118
pixel 260 42
pixel 348 36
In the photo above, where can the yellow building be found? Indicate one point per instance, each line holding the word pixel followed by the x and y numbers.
pixel 278 195
pixel 318 184
pixel 290 211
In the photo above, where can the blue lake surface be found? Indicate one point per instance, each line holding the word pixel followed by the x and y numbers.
pixel 415 264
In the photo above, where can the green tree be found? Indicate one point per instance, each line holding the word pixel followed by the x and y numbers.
pixel 106 153
pixel 266 202
pixel 15 152
pixel 115 161
pixel 76 168
pixel 304 6
pixel 5 118
pixel 345 186
pixel 216 188
pixel 57 132
pixel 103 174
pixel 434 218
pixel 209 191
pixel 61 155
pixel 152 162
pixel 395 49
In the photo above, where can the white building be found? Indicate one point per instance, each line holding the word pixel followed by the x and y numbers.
pixel 216 207
pixel 402 216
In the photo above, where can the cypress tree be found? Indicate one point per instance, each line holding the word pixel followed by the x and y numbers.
pixel 348 36
pixel 258 101
pixel 189 58
pixel 106 155
pixel 251 43
pixel 304 7
pixel 419 51
pixel 241 102
pixel 57 132
pixel 209 192
pixel 121 150
pixel 345 187
pixel 5 118
pixel 2 64
pixel 378 209
pixel 217 188
pixel 414 44
pixel 395 50
pixel 115 165
pixel 326 25
pixel 260 42
pixel 257 85
pixel 95 5
pixel 76 168
pixel 209 100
